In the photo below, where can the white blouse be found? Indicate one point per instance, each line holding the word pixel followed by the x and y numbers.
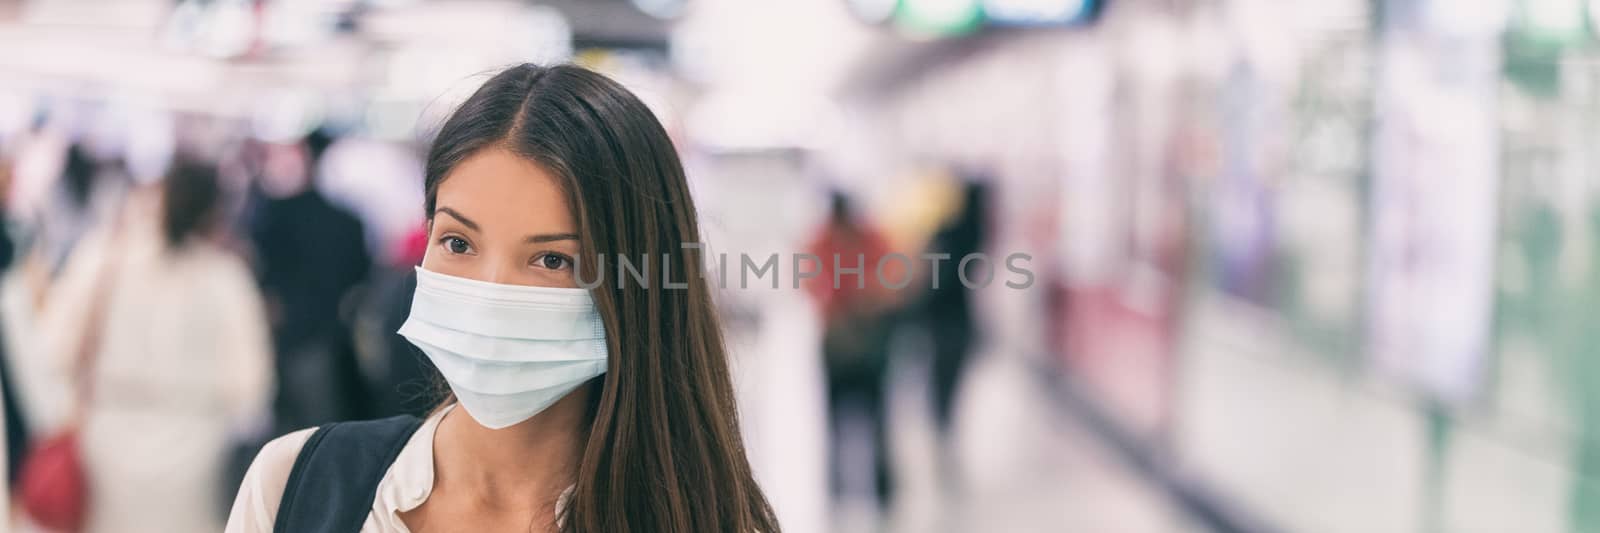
pixel 406 484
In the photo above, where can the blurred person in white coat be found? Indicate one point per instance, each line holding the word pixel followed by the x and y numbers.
pixel 183 358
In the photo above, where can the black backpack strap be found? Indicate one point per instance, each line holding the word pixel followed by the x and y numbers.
pixel 335 478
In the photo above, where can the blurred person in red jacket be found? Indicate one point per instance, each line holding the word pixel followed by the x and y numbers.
pixel 858 316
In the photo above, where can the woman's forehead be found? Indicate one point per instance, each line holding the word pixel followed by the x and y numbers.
pixel 498 190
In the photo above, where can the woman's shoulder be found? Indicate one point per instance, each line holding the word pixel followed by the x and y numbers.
pixel 256 505
pixel 279 454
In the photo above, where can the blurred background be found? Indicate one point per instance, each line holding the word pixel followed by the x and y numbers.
pixel 1309 265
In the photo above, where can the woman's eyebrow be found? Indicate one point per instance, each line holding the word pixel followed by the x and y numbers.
pixel 460 217
pixel 551 237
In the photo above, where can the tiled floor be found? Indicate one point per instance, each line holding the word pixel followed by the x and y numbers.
pixel 1029 465
pixel 1310 449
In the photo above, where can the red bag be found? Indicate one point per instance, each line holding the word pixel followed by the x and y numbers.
pixel 54 491
pixel 53 484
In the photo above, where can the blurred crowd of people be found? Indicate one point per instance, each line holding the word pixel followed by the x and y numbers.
pixel 177 321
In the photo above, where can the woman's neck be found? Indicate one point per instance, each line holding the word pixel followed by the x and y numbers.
pixel 503 468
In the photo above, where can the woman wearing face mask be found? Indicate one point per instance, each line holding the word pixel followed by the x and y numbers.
pixel 581 401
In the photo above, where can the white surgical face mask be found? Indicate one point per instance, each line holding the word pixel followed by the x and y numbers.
pixel 507 351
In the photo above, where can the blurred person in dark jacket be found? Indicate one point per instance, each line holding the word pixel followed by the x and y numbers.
pixel 16 427
pixel 312 257
pixel 87 192
pixel 947 307
pixel 401 376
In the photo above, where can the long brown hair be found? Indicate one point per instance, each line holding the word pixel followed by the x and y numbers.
pixel 189 200
pixel 664 452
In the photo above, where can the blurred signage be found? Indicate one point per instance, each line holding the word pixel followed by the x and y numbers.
pixel 1244 202
pixel 1038 12
pixel 1434 209
pixel 948 18
pixel 938 17
pixel 1594 13
pixel 661 9
pixel 873 11
pixel 222 29
pixel 1550 21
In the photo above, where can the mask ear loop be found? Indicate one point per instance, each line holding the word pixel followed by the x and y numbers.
pixel 601 351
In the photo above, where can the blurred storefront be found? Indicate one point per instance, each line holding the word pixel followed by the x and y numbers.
pixel 1394 380
pixel 1316 252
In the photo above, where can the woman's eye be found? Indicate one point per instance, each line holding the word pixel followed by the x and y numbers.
pixel 457 245
pixel 553 261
